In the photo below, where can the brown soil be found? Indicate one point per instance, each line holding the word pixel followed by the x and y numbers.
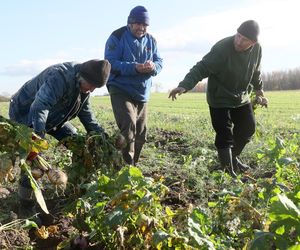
pixel 16 237
pixel 171 141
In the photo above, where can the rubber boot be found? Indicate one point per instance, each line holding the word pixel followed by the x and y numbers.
pixel 26 208
pixel 128 152
pixel 137 151
pixel 225 158
pixel 237 164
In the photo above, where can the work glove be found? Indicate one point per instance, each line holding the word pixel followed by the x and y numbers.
pixel 31 156
pixel 39 144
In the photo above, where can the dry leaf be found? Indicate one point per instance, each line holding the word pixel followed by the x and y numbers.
pixel 42 232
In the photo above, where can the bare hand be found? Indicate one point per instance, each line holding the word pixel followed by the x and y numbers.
pixel 149 65
pixel 260 99
pixel 264 102
pixel 146 67
pixel 174 92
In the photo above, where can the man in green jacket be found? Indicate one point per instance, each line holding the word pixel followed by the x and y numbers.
pixel 233 70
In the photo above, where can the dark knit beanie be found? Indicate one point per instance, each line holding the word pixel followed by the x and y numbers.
pixel 249 29
pixel 95 72
pixel 138 14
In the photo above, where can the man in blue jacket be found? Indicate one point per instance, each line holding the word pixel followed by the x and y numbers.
pixel 134 59
pixel 58 94
pixel 49 100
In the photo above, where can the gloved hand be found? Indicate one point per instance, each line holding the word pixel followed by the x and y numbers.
pixel 31 156
pixel 33 153
pixel 39 144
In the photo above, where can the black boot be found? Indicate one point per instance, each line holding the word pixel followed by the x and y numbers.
pixel 236 151
pixel 26 208
pixel 225 158
pixel 237 164
pixel 137 151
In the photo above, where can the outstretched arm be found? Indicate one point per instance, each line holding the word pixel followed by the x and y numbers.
pixel 174 92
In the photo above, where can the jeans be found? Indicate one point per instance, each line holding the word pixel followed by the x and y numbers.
pixel 66 130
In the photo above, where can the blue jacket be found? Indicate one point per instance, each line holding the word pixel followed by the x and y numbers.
pixel 124 51
pixel 51 98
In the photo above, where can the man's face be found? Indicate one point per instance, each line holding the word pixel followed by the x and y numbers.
pixel 138 29
pixel 242 43
pixel 86 87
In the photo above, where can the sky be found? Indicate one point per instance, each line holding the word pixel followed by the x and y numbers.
pixel 36 34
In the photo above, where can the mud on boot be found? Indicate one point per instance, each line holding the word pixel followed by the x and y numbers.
pixel 225 158
pixel 239 166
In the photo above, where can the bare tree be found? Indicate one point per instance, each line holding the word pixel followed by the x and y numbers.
pixel 282 80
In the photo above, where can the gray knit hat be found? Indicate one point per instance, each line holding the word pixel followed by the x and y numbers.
pixel 249 29
pixel 95 72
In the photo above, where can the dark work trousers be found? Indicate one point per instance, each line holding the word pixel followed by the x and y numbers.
pixel 131 118
pixel 234 127
pixel 66 130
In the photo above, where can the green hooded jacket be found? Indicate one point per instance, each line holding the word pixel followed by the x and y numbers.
pixel 231 75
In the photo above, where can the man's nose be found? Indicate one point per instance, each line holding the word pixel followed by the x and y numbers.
pixel 239 41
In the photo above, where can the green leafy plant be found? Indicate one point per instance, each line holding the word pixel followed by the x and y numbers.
pixel 91 153
pixel 125 212
pixel 17 140
pixel 284 223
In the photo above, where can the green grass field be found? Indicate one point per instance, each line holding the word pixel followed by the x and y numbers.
pixel 189 114
pixel 283 111
pixel 186 121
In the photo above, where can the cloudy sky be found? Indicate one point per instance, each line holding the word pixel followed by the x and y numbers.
pixel 36 34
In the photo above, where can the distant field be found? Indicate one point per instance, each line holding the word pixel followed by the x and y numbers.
pixel 184 113
pixel 189 115
pixel 283 111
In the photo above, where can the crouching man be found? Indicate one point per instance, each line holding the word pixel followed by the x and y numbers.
pixel 50 100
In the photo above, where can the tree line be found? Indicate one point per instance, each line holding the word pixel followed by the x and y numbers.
pixel 282 80
pixel 275 80
pixel 4 98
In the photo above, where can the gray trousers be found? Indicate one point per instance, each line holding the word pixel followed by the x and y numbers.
pixel 131 118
